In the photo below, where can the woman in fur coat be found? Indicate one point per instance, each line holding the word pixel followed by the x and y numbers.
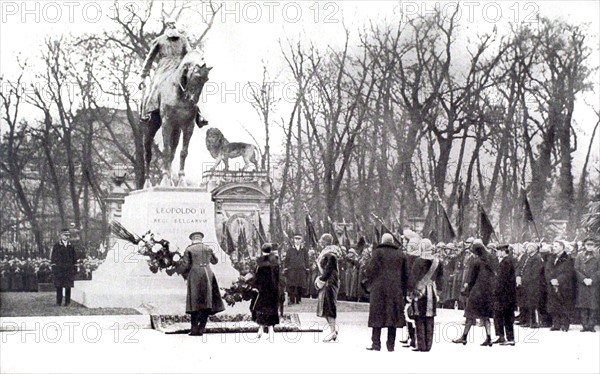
pixel 480 286
pixel 328 284
pixel 266 281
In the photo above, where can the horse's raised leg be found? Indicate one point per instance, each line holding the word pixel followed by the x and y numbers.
pixel 188 130
pixel 150 129
pixel 171 134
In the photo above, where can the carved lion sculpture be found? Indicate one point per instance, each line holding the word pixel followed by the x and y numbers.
pixel 222 150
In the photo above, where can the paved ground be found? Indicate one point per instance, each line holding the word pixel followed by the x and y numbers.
pixel 23 304
pixel 116 344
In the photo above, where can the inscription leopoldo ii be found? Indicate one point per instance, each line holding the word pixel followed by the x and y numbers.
pixel 180 215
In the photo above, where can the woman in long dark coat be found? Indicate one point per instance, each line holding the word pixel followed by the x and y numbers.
pixel 425 284
pixel 266 281
pixel 480 286
pixel 388 277
pixel 560 280
pixel 203 294
pixel 328 284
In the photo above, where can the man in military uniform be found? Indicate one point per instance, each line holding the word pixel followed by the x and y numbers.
pixel 63 262
pixel 169 48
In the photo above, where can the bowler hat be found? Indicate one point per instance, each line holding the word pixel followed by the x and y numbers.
pixel 196 233
pixel 266 248
pixel 65 231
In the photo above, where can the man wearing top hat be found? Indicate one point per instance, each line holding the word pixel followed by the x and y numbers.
pixel 63 261
pixel 203 295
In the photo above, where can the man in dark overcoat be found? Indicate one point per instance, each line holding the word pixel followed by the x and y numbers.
pixel 560 281
pixel 534 285
pixel 296 268
pixel 203 293
pixel 63 261
pixel 505 297
pixel 587 268
pixel 388 276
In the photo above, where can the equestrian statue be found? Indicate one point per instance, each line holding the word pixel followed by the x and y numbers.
pixel 171 99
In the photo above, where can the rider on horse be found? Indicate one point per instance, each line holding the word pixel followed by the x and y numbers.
pixel 170 48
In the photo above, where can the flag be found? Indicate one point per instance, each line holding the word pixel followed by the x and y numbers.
pixel 261 231
pixel 385 230
pixel 311 234
pixel 223 243
pixel 229 240
pixel 261 239
pixel 430 227
pixel 485 226
pixel 242 242
pixel 446 230
pixel 527 213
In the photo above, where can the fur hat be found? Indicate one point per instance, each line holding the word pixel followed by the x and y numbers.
pixel 387 238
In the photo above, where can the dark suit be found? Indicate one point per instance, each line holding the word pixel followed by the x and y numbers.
pixel 63 262
pixel 561 299
pixel 505 299
pixel 295 269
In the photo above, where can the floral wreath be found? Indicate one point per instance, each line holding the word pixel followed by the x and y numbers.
pixel 160 255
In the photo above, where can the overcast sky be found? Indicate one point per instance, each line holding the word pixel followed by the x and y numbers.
pixel 247 33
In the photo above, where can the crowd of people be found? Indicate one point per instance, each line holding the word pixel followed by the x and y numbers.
pixel 551 285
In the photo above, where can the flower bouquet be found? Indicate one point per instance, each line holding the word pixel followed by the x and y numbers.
pixel 241 289
pixel 160 255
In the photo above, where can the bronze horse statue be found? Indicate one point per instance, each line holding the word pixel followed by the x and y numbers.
pixel 178 94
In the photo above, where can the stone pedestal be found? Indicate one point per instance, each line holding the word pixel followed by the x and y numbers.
pixel 124 279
